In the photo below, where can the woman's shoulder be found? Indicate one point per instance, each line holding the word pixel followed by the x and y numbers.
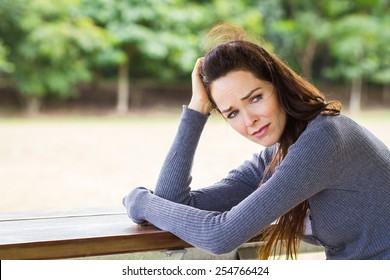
pixel 340 120
pixel 338 126
pixel 342 130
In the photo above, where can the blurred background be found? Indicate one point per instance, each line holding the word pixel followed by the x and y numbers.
pixel 91 90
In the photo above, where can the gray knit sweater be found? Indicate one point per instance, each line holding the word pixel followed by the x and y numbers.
pixel 339 166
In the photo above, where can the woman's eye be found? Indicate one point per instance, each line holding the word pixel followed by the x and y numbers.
pixel 232 114
pixel 257 98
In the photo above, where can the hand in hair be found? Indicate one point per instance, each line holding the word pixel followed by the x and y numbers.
pixel 199 101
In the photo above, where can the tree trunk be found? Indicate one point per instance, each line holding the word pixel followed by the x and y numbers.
pixel 356 94
pixel 306 59
pixel 122 106
pixel 33 105
pixel 386 94
pixel 95 84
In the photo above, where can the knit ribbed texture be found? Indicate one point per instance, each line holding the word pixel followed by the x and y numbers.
pixel 339 166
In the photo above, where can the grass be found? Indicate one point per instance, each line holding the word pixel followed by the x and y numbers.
pixel 134 117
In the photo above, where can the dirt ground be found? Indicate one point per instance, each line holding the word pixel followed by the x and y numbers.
pixel 65 163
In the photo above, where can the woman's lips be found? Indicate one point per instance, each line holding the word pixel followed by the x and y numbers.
pixel 261 131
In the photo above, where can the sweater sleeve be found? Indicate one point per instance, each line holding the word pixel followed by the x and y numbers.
pixel 175 176
pixel 308 168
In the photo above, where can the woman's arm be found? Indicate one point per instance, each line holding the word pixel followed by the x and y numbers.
pixel 175 176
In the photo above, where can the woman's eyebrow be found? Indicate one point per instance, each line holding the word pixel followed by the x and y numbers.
pixel 243 98
pixel 227 110
pixel 250 93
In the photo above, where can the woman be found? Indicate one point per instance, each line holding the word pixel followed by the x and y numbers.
pixel 321 178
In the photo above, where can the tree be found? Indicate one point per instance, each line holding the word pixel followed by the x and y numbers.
pixel 354 48
pixel 48 44
pixel 297 29
pixel 303 39
pixel 140 29
pixel 382 75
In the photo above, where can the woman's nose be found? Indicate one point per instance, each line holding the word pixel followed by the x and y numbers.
pixel 250 118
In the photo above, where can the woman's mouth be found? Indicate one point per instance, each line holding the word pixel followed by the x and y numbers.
pixel 259 133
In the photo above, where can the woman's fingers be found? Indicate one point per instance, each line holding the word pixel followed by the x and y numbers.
pixel 200 100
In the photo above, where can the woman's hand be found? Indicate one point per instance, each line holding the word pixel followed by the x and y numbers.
pixel 199 101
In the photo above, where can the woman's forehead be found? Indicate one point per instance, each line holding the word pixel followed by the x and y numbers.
pixel 236 86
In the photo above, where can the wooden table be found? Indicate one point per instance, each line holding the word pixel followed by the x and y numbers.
pixel 78 233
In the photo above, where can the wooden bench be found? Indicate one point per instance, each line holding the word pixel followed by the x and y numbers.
pixel 78 233
pixel 98 233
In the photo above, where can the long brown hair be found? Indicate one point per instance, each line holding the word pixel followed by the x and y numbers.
pixel 301 101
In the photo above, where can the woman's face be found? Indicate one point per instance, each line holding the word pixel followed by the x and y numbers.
pixel 250 105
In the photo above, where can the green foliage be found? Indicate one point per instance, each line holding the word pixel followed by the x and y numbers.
pixel 5 65
pixel 52 43
pixel 139 30
pixel 47 46
pixel 164 40
pixel 382 75
pixel 351 37
pixel 354 44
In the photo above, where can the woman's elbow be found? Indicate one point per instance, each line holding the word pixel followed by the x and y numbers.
pixel 220 248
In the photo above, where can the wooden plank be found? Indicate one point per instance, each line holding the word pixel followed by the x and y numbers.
pixel 69 234
pixel 60 213
pixel 51 229
pixel 83 247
